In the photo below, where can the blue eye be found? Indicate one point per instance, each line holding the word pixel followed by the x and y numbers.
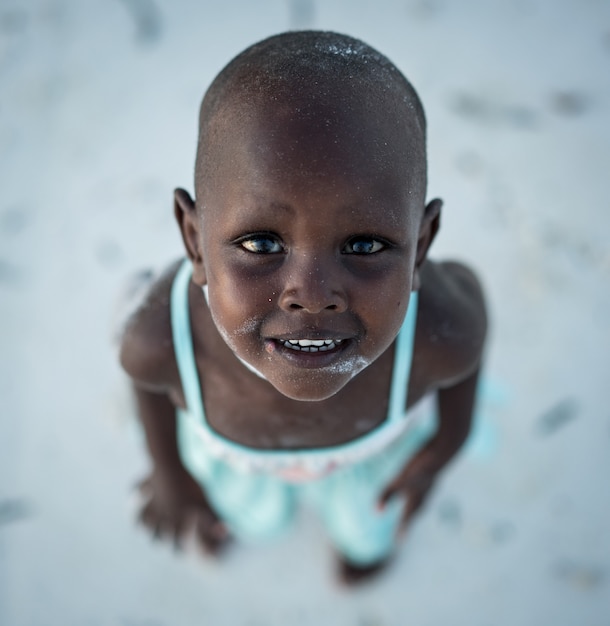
pixel 363 245
pixel 261 244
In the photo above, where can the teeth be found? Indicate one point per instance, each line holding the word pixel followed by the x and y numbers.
pixel 312 345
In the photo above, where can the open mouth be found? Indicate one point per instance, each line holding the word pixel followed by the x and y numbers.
pixel 311 345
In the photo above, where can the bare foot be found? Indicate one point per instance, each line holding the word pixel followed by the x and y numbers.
pixel 352 575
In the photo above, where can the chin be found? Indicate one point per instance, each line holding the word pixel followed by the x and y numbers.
pixel 310 392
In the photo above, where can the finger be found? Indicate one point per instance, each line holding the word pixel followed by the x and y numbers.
pixel 387 494
pixel 150 518
pixel 407 479
pixel 399 487
pixel 177 542
pixel 161 526
pixel 414 503
pixel 147 515
pixel 218 529
pixel 143 486
pixel 178 532
pixel 170 528
pixel 415 500
pixel 212 533
pixel 157 530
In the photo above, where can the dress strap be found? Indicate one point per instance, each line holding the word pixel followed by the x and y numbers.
pixel 403 356
pixel 183 343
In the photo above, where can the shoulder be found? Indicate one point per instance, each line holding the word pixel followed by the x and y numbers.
pixel 453 325
pixel 146 349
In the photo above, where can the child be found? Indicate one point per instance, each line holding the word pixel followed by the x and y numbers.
pixel 286 357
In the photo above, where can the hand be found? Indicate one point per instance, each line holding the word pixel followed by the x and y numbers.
pixel 414 482
pixel 174 503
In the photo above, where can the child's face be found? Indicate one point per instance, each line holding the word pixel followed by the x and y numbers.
pixel 308 240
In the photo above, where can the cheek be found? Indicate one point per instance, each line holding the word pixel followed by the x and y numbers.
pixel 231 313
pixel 237 308
pixel 384 310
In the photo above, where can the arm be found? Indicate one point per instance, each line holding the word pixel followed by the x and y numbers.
pixel 455 410
pixel 457 366
pixel 158 418
pixel 173 500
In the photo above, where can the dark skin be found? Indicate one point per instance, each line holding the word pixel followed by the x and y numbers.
pixel 300 235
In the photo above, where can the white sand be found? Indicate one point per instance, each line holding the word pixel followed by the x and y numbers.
pixel 98 108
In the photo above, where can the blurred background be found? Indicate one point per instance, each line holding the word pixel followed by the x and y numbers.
pixel 98 112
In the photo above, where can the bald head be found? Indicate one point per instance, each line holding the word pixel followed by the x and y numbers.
pixel 330 87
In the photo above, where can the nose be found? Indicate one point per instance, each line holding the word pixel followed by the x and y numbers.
pixel 313 285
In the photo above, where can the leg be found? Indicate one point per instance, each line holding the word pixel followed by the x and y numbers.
pixel 352 575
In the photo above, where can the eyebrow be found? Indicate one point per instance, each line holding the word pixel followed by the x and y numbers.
pixel 347 211
pixel 278 206
pixel 272 207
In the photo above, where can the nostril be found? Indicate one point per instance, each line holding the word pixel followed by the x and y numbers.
pixel 295 306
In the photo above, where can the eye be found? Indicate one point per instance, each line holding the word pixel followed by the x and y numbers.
pixel 363 246
pixel 262 243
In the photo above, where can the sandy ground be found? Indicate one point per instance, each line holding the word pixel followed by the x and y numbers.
pixel 98 106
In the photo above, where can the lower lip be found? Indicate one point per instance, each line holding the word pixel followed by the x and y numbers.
pixel 322 358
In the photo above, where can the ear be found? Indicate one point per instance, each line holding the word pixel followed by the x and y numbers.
pixel 188 221
pixel 427 232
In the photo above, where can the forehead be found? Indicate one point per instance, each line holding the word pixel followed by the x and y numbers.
pixel 342 135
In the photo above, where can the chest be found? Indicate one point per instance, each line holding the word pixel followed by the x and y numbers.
pixel 246 409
